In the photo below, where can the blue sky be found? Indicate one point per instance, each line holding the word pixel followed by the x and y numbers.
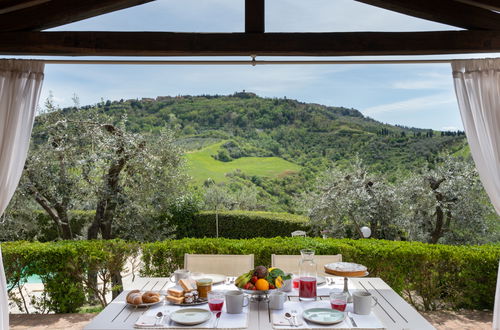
pixel 419 95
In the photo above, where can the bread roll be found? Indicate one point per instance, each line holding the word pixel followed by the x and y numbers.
pixel 134 297
pixel 150 297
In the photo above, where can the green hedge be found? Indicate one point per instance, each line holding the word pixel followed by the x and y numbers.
pixel 441 275
pixel 232 224
pixel 240 224
pixel 429 276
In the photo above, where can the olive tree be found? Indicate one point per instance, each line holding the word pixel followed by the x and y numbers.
pixel 345 200
pixel 446 204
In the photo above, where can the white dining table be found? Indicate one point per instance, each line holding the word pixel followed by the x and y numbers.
pixel 393 312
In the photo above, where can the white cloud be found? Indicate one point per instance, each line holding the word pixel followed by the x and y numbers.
pixel 431 80
pixel 419 103
pixel 450 128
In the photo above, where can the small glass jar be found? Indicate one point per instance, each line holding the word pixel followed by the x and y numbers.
pixel 188 298
pixel 203 286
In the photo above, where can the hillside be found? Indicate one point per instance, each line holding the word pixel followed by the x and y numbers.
pixel 278 145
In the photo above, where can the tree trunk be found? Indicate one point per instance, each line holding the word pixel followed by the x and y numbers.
pixel 437 233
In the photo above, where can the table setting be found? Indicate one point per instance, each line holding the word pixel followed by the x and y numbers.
pixel 292 301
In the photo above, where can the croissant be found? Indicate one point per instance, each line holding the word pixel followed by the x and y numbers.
pixel 134 297
pixel 150 297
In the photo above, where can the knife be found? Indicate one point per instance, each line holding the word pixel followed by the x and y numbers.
pixel 352 320
pixel 217 318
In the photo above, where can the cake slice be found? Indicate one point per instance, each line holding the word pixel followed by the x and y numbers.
pixel 175 300
pixel 175 292
pixel 187 285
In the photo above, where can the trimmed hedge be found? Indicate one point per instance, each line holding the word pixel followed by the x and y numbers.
pixel 440 275
pixel 429 276
pixel 240 224
pixel 232 224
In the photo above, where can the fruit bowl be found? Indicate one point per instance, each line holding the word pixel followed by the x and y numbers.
pixel 258 295
pixel 259 282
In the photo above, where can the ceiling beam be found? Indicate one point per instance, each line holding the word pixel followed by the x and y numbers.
pixel 254 16
pixel 486 4
pixel 48 14
pixel 450 12
pixel 243 44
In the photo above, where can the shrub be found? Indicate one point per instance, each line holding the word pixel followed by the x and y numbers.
pixel 239 224
pixel 63 268
pixel 441 275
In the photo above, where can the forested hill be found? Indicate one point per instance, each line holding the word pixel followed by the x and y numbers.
pixel 306 134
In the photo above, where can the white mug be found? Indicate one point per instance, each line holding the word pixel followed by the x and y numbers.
pixel 363 302
pixel 277 300
pixel 180 274
pixel 235 301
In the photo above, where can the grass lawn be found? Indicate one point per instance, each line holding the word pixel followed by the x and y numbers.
pixel 202 165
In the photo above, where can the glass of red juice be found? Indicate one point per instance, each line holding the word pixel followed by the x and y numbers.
pixel 338 300
pixel 215 301
pixel 295 281
pixel 307 288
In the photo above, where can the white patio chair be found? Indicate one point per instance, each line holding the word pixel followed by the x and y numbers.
pixel 290 263
pixel 227 264
pixel 299 233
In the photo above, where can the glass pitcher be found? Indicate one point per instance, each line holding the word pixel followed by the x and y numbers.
pixel 307 276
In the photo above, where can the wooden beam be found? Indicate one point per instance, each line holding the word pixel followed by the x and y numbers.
pixel 254 16
pixel 49 14
pixel 486 4
pixel 450 12
pixel 243 44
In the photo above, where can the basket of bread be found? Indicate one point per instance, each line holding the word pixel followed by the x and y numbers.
pixel 185 294
pixel 138 298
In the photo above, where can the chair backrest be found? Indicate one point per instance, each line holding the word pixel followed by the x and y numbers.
pixel 290 263
pixel 299 233
pixel 227 264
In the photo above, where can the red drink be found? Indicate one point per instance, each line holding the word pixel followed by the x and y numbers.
pixel 338 305
pixel 215 305
pixel 307 288
pixel 295 283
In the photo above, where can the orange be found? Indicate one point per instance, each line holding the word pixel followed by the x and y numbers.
pixel 262 284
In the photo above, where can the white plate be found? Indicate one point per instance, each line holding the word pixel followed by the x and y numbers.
pixel 216 278
pixel 190 316
pixel 323 316
pixel 145 304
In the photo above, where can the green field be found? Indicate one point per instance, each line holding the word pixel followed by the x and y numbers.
pixel 201 165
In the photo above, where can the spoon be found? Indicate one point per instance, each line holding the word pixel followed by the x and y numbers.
pixel 159 317
pixel 288 316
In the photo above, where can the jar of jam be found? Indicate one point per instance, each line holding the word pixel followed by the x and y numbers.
pixel 203 286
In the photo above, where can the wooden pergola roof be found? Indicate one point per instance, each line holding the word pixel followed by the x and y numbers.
pixel 22 23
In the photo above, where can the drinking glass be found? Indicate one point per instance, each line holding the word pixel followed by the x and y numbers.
pixel 215 301
pixel 338 300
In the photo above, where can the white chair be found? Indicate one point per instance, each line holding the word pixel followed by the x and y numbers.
pixel 300 233
pixel 227 264
pixel 290 263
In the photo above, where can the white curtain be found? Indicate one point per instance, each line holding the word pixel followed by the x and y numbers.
pixel 20 85
pixel 477 85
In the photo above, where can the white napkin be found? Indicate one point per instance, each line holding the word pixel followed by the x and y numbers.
pixel 226 321
pixel 363 322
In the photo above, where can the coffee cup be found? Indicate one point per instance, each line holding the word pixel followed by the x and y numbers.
pixel 235 301
pixel 277 300
pixel 363 302
pixel 180 274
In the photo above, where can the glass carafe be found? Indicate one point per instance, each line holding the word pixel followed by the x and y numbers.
pixel 307 276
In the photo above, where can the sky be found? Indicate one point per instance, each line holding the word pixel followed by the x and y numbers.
pixel 418 95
